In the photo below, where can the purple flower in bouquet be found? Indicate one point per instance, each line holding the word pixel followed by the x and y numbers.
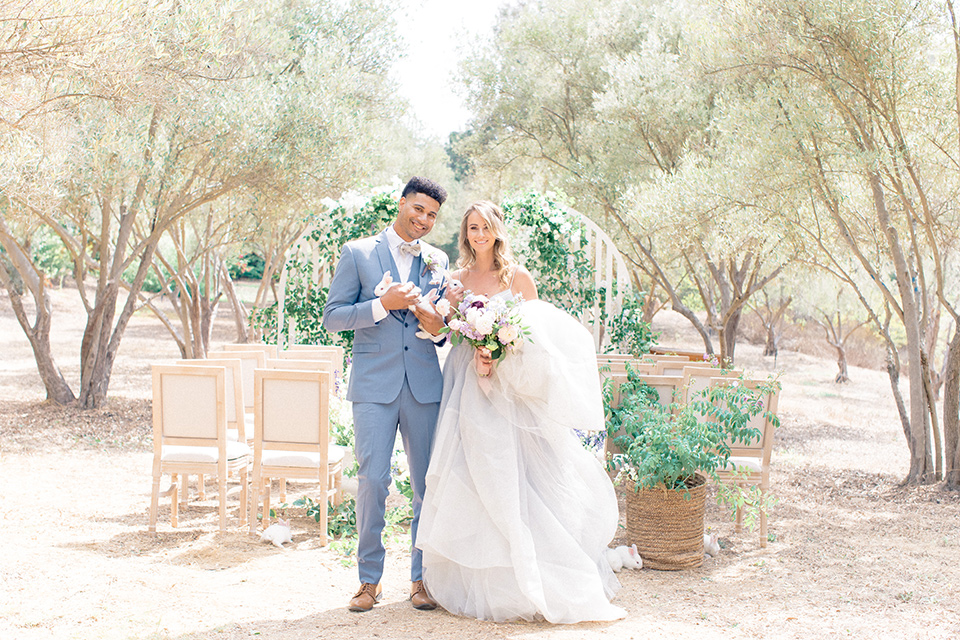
pixel 494 324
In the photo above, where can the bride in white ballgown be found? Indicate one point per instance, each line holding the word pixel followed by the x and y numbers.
pixel 517 514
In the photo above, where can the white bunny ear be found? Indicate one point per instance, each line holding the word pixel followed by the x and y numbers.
pixel 432 295
pixel 383 285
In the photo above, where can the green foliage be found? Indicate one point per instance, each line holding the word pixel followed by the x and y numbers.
pixel 629 333
pixel 249 266
pixel 665 445
pixel 403 514
pixel 341 519
pixel 49 254
pixel 354 217
pixel 551 241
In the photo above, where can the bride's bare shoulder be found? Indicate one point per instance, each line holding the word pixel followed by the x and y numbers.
pixel 524 284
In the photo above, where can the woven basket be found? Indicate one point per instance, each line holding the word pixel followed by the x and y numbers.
pixel 666 527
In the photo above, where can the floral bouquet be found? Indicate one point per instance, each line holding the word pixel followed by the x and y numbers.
pixel 491 325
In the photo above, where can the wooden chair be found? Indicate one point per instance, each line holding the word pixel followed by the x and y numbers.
pixel 293 364
pixel 333 351
pixel 615 357
pixel 190 434
pixel 672 365
pixel 292 437
pixel 689 354
pixel 268 350
pixel 250 360
pixel 698 378
pixel 752 458
pixel 613 368
pixel 239 424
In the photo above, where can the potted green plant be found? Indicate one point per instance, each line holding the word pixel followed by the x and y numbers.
pixel 664 454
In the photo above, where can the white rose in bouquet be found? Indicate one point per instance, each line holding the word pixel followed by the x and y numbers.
pixel 508 334
pixel 484 324
pixel 443 306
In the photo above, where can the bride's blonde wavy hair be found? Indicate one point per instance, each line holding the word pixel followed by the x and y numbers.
pixel 503 261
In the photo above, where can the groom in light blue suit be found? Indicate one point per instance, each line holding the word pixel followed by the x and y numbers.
pixel 395 379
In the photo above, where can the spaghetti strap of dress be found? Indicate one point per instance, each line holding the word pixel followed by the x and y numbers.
pixel 513 277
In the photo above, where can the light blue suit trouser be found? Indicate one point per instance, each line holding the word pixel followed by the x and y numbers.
pixel 375 430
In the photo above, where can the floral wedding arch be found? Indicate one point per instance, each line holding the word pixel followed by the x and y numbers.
pixel 576 266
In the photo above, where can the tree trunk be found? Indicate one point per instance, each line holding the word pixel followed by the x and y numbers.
pixel 39 337
pixel 842 375
pixel 240 313
pixel 951 413
pixel 728 337
pixel 921 467
pixel 772 345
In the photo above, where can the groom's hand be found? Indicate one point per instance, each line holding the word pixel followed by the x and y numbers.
pixel 431 321
pixel 400 297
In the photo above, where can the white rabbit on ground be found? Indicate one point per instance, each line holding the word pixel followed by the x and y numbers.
pixel 277 533
pixel 624 557
pixel 711 544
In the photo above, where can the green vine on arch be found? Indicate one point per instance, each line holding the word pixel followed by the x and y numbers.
pixel 354 216
pixel 551 241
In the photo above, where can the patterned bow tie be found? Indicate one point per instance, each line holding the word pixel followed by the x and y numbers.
pixel 413 248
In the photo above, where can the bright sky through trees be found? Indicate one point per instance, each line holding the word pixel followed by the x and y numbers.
pixel 434 31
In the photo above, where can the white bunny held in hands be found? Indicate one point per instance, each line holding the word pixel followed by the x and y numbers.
pixel 423 302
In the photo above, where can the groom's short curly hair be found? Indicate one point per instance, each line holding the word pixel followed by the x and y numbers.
pixel 427 187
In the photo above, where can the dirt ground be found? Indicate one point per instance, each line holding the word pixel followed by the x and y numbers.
pixel 854 554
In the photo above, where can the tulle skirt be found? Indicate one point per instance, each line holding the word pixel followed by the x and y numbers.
pixel 517 513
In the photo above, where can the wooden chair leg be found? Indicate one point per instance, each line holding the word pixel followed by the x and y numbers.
pixel 154 503
pixel 184 491
pixel 174 502
pixel 283 490
pixel 265 521
pixel 338 484
pixel 222 501
pixel 201 490
pixel 256 490
pixel 243 497
pixel 739 526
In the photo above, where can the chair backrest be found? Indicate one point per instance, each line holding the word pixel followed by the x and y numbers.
pixel 608 369
pixel 615 357
pixel 673 365
pixel 330 350
pixel 689 354
pixel 233 383
pixel 250 359
pixel 268 350
pixel 291 364
pixel 762 448
pixel 304 354
pixel 189 405
pixel 292 410
pixel 667 388
pixel 697 378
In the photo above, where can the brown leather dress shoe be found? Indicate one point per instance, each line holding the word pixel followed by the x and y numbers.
pixel 420 598
pixel 367 596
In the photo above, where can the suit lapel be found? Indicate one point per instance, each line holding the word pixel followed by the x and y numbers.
pixel 386 259
pixel 387 264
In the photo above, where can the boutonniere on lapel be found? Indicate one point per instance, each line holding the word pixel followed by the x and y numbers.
pixel 431 263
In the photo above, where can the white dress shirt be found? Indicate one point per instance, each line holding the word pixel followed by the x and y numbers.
pixel 403 261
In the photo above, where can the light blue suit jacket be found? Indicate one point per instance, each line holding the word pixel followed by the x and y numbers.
pixel 385 351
